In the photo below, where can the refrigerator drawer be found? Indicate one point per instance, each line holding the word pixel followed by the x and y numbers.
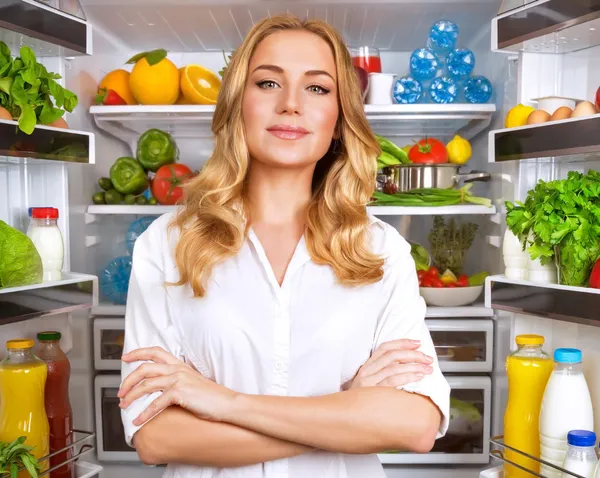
pixel 463 346
pixel 467 438
pixel 110 435
pixel 109 335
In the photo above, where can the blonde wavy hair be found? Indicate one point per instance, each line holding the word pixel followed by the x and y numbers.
pixel 212 220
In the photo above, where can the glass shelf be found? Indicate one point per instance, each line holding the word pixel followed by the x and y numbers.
pixel 499 454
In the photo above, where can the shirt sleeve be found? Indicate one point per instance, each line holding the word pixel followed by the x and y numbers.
pixel 404 318
pixel 147 320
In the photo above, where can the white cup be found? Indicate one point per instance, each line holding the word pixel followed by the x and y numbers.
pixel 380 88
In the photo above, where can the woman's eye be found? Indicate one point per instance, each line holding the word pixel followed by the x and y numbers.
pixel 319 90
pixel 267 84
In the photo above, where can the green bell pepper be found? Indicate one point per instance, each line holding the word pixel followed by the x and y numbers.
pixel 155 148
pixel 128 176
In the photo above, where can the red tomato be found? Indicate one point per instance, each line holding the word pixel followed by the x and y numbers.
pixel 428 151
pixel 451 285
pixel 166 184
pixel 421 274
pixel 436 283
pixel 462 281
pixel 425 282
pixel 433 272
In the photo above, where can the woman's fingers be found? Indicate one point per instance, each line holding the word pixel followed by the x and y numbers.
pixel 146 387
pixel 400 344
pixel 165 400
pixel 395 356
pixel 396 381
pixel 145 371
pixel 401 372
pixel 154 354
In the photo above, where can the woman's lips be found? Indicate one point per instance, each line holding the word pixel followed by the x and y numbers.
pixel 285 131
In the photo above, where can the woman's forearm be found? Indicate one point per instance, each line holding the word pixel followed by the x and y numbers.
pixel 365 420
pixel 177 436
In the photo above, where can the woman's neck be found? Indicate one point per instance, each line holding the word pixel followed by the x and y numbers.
pixel 278 196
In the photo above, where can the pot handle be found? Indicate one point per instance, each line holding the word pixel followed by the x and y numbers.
pixel 473 176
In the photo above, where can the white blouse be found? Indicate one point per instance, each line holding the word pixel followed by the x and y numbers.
pixel 307 337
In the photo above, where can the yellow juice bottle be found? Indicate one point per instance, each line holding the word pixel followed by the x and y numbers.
pixel 528 370
pixel 22 408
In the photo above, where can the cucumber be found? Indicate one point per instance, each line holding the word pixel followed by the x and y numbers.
pixel 388 147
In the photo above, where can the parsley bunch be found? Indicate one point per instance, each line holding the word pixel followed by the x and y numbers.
pixel 560 221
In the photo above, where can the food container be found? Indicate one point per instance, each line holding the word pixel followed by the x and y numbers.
pixel 450 297
pixel 406 177
pixel 380 89
pixel 551 103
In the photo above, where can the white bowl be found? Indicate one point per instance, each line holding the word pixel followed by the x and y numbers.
pixel 551 103
pixel 450 297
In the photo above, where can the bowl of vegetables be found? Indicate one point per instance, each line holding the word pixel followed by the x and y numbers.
pixel 447 290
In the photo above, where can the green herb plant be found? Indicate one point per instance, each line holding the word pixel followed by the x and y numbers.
pixel 16 455
pixel 450 242
pixel 227 61
pixel 560 221
pixel 29 92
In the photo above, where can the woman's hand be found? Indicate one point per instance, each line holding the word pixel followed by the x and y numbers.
pixel 180 383
pixel 394 364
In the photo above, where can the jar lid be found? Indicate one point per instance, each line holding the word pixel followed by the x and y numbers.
pixel 44 213
pixel 568 355
pixel 581 438
pixel 529 339
pixel 48 335
pixel 19 344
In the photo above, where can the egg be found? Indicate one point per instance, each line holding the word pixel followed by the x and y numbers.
pixel 538 116
pixel 561 113
pixel 585 108
pixel 5 115
pixel 59 123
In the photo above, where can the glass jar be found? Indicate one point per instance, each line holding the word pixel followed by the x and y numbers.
pixel 48 240
pixel 367 58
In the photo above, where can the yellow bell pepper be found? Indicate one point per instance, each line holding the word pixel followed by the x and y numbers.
pixel 459 150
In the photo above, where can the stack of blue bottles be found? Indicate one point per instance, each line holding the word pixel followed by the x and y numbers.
pixel 441 72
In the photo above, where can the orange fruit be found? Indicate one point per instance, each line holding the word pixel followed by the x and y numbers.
pixel 199 85
pixel 156 84
pixel 118 81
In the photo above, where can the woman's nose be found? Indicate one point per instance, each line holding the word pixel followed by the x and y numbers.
pixel 290 102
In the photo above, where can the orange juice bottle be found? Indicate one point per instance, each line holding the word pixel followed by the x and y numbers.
pixel 528 370
pixel 22 409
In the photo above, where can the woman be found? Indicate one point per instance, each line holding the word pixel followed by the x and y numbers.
pixel 281 327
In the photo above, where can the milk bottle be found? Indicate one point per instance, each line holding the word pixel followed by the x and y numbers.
pixel 566 406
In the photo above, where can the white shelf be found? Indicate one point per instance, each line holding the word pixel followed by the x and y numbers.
pixel 108 310
pixel 475 310
pixel 194 121
pixel 73 292
pixel 429 211
pixel 125 209
pixel 83 469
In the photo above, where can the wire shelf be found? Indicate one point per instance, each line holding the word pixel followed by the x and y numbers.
pixel 498 441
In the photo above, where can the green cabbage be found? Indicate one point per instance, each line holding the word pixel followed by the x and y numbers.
pixel 20 262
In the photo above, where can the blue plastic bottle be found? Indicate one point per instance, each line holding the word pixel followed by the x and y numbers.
pixel 460 63
pixel 114 279
pixel 478 90
pixel 407 90
pixel 424 64
pixel 443 90
pixel 442 37
pixel 136 229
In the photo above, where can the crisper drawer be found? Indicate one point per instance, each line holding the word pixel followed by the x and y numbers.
pixel 110 435
pixel 109 335
pixel 467 438
pixel 463 346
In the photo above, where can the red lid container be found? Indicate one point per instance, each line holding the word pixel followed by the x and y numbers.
pixel 44 213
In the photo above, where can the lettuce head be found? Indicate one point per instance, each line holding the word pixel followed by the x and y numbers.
pixel 20 262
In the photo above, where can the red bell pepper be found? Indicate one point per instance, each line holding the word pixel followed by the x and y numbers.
pixel 595 276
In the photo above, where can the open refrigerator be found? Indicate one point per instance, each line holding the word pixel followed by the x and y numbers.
pixel 527 49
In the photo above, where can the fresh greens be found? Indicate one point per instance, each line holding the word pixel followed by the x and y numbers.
pixel 29 92
pixel 560 221
pixel 16 455
pixel 449 243
pixel 430 197
pixel 227 61
pixel 20 262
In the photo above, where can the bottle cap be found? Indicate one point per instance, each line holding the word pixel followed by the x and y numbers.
pixel 567 355
pixel 581 438
pixel 19 344
pixel 48 335
pixel 529 340
pixel 44 213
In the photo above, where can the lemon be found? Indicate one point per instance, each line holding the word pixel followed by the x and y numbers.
pixel 448 277
pixel 156 84
pixel 199 85
pixel 459 150
pixel 118 81
pixel 517 116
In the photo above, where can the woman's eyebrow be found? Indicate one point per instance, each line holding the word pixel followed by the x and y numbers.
pixel 278 69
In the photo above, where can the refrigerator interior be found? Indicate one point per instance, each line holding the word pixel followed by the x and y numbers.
pixel 197 31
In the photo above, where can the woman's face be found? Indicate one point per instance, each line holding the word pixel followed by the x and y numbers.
pixel 290 106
